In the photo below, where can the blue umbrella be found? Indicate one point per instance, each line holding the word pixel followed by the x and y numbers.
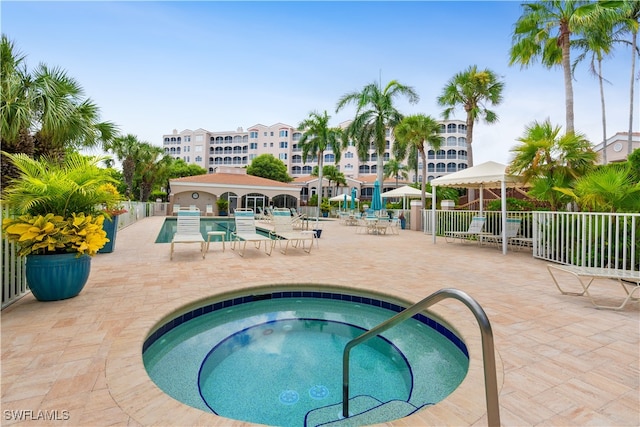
pixel 344 205
pixel 353 199
pixel 376 203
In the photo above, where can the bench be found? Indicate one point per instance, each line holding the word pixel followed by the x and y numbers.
pixel 628 280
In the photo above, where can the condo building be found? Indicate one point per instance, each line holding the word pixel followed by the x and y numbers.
pixel 238 148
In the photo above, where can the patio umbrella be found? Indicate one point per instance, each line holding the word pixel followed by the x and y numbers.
pixel 376 203
pixel 353 199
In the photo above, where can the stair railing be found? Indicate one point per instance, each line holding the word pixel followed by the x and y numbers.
pixel 490 380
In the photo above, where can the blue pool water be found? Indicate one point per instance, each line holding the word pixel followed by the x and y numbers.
pixel 272 358
pixel 206 224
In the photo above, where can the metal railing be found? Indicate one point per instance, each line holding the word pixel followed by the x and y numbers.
pixel 588 239
pixel 490 378
pixel 585 239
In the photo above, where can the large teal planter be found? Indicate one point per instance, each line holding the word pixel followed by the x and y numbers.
pixel 111 227
pixel 57 277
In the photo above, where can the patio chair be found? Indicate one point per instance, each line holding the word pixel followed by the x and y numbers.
pixel 209 210
pixel 188 231
pixel 628 280
pixel 246 232
pixel 513 228
pixel 475 230
pixel 283 231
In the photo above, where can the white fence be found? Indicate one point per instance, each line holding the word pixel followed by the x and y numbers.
pixel 13 279
pixel 575 238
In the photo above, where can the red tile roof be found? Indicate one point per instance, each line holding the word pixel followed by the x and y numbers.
pixel 231 179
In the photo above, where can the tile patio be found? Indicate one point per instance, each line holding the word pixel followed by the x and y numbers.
pixel 560 361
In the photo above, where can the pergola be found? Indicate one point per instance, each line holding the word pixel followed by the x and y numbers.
pixel 486 175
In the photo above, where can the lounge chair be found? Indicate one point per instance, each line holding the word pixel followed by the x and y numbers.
pixel 283 231
pixel 188 231
pixel 475 230
pixel 209 210
pixel 513 228
pixel 176 208
pixel 246 232
pixel 628 280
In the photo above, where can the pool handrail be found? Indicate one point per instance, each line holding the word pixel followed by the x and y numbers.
pixel 488 355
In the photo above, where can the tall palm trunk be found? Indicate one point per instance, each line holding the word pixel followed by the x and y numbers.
pixel 423 184
pixel 471 193
pixel 566 68
pixel 604 116
pixel 634 42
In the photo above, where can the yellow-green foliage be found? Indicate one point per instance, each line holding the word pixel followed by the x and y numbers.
pixel 51 233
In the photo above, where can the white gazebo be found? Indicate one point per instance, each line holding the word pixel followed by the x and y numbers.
pixel 485 175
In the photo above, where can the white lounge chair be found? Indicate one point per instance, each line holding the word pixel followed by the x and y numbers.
pixel 283 231
pixel 475 230
pixel 188 231
pixel 628 280
pixel 246 232
pixel 513 228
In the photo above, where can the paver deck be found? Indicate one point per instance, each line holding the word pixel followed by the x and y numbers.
pixel 560 361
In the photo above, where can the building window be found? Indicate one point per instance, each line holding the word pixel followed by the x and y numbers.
pixel 187 139
pixel 253 134
pixel 282 156
pixel 198 159
pixel 329 158
pixel 348 155
pixel 284 144
pixel 284 133
pixel 271 144
pixel 271 134
pixel 199 138
pixel 253 146
pixel 264 144
pixel 452 128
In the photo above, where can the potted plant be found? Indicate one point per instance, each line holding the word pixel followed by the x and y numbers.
pixel 223 206
pixel 112 210
pixel 57 221
pixel 325 207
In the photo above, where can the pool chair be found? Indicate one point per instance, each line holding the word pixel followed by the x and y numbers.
pixel 246 232
pixel 283 231
pixel 475 230
pixel 628 280
pixel 513 228
pixel 188 231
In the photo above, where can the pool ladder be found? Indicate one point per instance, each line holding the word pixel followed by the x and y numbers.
pixel 490 380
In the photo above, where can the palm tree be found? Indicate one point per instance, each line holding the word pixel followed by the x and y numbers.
pixel 316 139
pixel 544 31
pixel 393 168
pixel 627 16
pixel 151 167
pixel 606 189
pixel 332 174
pixel 597 42
pixel 416 131
pixel 375 113
pixel 471 90
pixel 547 160
pixel 126 148
pixel 45 112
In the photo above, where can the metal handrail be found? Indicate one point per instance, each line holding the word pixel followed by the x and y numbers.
pixel 490 380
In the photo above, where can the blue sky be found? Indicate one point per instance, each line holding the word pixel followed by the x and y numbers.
pixel 157 66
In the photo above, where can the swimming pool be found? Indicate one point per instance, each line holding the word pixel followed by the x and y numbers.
pixel 206 224
pixel 275 358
